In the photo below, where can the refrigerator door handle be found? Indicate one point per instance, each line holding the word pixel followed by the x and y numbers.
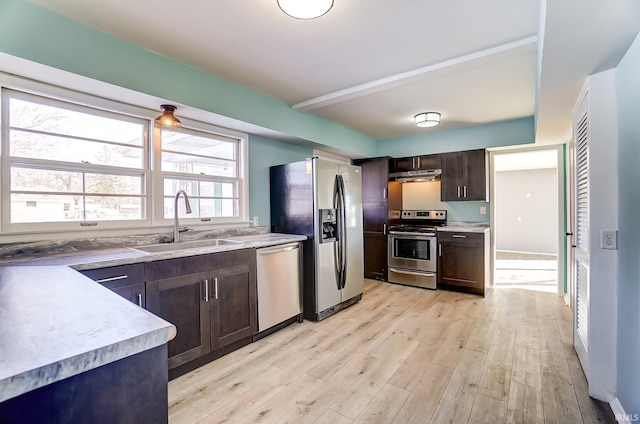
pixel 343 234
pixel 337 253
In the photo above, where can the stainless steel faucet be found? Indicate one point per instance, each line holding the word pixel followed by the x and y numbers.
pixel 187 205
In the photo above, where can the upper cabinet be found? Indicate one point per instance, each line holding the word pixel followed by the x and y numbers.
pixel 415 163
pixel 464 176
pixel 375 177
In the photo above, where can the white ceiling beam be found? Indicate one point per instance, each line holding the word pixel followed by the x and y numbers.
pixel 404 78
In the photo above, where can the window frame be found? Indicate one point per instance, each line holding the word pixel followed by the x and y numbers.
pixel 151 170
pixel 242 175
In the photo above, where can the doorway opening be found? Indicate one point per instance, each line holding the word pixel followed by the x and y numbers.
pixel 527 199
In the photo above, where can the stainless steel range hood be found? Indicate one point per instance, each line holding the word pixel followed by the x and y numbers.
pixel 416 176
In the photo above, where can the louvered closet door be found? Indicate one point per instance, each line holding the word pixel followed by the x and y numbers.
pixel 580 258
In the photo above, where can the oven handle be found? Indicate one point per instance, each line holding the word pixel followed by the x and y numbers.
pixel 421 274
pixel 413 235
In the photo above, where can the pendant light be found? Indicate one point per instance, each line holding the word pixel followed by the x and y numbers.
pixel 427 119
pixel 168 119
pixel 305 9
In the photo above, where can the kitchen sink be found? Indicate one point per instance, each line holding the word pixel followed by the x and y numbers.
pixel 194 244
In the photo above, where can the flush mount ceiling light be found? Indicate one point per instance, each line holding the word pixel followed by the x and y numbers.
pixel 168 119
pixel 427 119
pixel 305 9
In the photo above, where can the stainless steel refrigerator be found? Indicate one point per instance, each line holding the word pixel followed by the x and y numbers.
pixel 322 200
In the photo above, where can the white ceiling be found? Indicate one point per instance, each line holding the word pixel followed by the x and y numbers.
pixel 373 64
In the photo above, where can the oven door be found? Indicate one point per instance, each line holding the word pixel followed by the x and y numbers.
pixel 415 251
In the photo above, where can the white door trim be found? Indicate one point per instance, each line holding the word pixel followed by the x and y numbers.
pixel 561 277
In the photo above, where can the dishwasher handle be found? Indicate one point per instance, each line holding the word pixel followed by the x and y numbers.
pixel 274 251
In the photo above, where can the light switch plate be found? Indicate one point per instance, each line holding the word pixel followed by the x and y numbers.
pixel 255 221
pixel 483 210
pixel 609 239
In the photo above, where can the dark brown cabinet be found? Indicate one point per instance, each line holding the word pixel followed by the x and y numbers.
pixel 233 304
pixel 462 261
pixel 211 299
pixel 415 163
pixel 125 280
pixel 381 204
pixel 182 301
pixel 464 176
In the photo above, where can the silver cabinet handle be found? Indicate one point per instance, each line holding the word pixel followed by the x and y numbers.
pixel 384 229
pixel 139 299
pixel 206 290
pixel 106 280
pixel 384 193
pixel 465 192
pixel 418 161
pixel 215 282
pixel 439 249
pixel 458 191
pixel 458 236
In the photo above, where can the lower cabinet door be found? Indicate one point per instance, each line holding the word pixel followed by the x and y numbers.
pixel 183 301
pixel 234 304
pixel 375 256
pixel 461 266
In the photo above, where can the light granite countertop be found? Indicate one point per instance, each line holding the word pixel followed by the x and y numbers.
pixel 466 227
pixel 56 323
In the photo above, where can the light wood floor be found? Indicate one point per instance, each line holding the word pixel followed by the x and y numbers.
pixel 403 355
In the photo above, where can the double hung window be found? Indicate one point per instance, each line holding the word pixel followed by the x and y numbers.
pixel 72 165
pixel 205 166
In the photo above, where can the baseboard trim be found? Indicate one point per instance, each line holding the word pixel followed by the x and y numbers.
pixel 620 414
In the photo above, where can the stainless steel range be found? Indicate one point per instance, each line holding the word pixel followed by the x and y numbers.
pixel 412 250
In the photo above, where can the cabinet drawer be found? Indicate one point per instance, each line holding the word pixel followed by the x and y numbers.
pixel 117 276
pixel 461 237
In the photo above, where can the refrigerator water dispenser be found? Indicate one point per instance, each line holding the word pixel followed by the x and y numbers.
pixel 329 225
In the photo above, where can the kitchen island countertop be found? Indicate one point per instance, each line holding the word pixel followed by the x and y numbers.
pixel 56 323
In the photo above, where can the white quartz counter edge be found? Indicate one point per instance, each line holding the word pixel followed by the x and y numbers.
pixel 56 323
pixel 463 229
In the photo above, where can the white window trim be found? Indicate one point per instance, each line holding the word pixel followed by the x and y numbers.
pixel 85 91
pixel 7 162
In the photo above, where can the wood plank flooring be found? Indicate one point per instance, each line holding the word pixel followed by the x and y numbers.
pixel 403 355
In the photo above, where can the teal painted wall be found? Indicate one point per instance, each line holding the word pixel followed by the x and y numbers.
pixel 628 349
pixel 466 211
pixel 263 153
pixel 507 133
pixel 37 34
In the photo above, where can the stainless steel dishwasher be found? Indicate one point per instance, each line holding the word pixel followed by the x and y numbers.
pixel 279 284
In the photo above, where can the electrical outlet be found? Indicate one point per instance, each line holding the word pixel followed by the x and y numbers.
pixel 483 210
pixel 255 221
pixel 609 239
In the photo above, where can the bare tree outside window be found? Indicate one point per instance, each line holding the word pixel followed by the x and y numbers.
pixel 65 157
